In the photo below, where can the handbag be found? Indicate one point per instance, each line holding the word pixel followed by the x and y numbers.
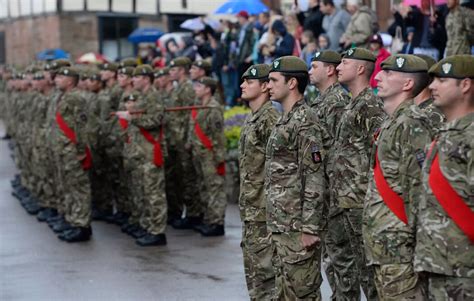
pixel 397 42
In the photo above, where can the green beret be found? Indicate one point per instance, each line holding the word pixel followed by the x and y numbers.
pixel 404 63
pixel 38 76
pixel 259 71
pixel 32 69
pixel 327 56
pixel 128 70
pixel 428 59
pixel 289 64
pixel 143 70
pixel 108 67
pixel 94 75
pixel 456 66
pixel 161 72
pixel 203 65
pixel 131 97
pixel 130 62
pixel 68 71
pixel 20 75
pixel 208 81
pixel 359 54
pixel 56 65
pixel 182 61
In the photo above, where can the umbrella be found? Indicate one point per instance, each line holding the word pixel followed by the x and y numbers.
pixel 52 54
pixel 418 2
pixel 92 58
pixel 198 24
pixel 253 7
pixel 145 34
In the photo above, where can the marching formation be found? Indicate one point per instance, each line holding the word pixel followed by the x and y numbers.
pixel 122 143
pixel 376 190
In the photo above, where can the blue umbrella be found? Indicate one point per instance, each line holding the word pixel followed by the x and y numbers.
pixel 145 34
pixel 52 54
pixel 231 7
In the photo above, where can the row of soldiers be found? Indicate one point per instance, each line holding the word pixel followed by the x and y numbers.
pixel 123 143
pixel 375 188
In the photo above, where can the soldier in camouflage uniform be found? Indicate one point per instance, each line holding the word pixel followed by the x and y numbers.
pixel 180 166
pixel 146 131
pixel 348 167
pixel 206 141
pixel 444 250
pixel 256 243
pixel 424 99
pixel 394 184
pixel 74 157
pixel 459 29
pixel 295 184
pixel 328 106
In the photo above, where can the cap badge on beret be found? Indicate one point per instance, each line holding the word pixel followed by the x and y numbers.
pixel 131 97
pixel 124 70
pixel 350 52
pixel 253 71
pixel 172 63
pixel 276 64
pixel 66 72
pixel 446 67
pixel 199 63
pixel 317 54
pixel 400 61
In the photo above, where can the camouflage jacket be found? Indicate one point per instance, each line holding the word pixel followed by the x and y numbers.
pixel 435 115
pixel 348 161
pixel 400 149
pixel 329 106
pixel 295 180
pixel 151 121
pixel 441 247
pixel 108 101
pixel 178 123
pixel 253 141
pixel 460 31
pixel 93 119
pixel 211 122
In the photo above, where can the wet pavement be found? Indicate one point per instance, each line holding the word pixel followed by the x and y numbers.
pixel 36 265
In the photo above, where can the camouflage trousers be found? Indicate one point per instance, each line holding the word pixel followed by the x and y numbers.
pixel 133 170
pixel 76 188
pixel 174 193
pixel 298 271
pixel 447 288
pixel 101 190
pixel 257 249
pixel 154 213
pixel 399 282
pixel 345 248
pixel 211 188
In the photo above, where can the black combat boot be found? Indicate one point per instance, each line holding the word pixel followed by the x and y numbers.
pixel 152 240
pixel 61 226
pixel 46 213
pixel 212 230
pixel 76 234
pixel 187 222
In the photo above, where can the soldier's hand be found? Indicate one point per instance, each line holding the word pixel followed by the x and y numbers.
pixel 80 158
pixel 309 241
pixel 123 114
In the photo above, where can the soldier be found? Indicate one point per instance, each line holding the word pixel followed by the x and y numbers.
pixel 444 249
pixel 199 69
pixel 459 29
pixel 146 131
pixel 394 185
pixel 180 167
pixel 256 239
pixel 424 99
pixel 206 141
pixel 348 167
pixel 74 158
pixel 295 184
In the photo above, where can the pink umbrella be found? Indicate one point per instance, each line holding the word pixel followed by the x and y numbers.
pixel 92 58
pixel 418 2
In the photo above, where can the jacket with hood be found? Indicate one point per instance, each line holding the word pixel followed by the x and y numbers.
pixel 360 27
pixel 285 42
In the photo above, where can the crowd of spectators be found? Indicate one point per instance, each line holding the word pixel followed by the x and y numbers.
pixel 337 25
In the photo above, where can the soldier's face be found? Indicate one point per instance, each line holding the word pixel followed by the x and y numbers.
pixel 445 91
pixel 199 90
pixel 390 83
pixel 124 80
pixel 162 81
pixel 138 82
pixel 196 73
pixel 105 75
pixel 278 87
pixel 347 70
pixel 252 89
pixel 175 73
pixel 317 73
pixel 129 105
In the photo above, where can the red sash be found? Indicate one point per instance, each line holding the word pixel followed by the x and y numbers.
pixel 123 123
pixel 199 132
pixel 157 153
pixel 71 135
pixel 450 200
pixel 393 201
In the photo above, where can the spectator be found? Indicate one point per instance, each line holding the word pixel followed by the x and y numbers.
pixel 228 74
pixel 314 20
pixel 360 27
pixel 335 22
pixel 172 50
pixel 323 42
pixel 264 21
pixel 309 47
pixel 245 43
pixel 376 46
pixel 296 30
pixel 459 29
pixel 285 42
pixel 408 46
